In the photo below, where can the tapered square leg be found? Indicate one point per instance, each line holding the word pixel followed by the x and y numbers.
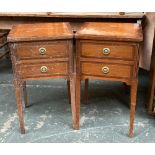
pixel 69 91
pixel 17 85
pixel 75 100
pixel 86 90
pixel 25 94
pixel 133 95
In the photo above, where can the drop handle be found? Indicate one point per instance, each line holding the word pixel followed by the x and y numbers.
pixel 106 51
pixel 43 69
pixel 105 70
pixel 42 51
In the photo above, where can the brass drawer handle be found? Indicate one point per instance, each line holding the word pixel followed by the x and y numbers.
pixel 44 69
pixel 106 51
pixel 105 70
pixel 42 51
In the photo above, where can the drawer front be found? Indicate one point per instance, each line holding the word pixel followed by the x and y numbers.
pixel 42 50
pixel 107 50
pixel 43 70
pixel 107 70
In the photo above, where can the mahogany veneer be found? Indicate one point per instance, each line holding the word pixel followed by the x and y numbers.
pixel 40 51
pixel 108 51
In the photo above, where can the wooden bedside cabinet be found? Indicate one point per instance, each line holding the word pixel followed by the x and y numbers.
pixel 108 51
pixel 40 52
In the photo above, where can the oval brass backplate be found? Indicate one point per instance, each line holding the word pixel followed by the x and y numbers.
pixel 105 70
pixel 106 51
pixel 43 69
pixel 42 51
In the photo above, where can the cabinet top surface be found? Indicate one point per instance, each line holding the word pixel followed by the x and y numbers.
pixel 74 14
pixel 42 31
pixel 111 31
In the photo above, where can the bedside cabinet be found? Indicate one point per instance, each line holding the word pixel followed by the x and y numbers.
pixel 108 51
pixel 39 52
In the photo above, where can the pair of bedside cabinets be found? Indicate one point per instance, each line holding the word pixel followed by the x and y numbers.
pixel 104 51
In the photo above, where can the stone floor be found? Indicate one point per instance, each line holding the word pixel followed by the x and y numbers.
pixel 104 119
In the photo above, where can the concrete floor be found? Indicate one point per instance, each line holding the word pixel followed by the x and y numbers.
pixel 104 119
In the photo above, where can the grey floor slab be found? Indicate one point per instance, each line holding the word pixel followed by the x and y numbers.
pixel 104 119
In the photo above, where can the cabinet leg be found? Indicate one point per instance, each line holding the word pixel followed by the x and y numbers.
pixel 75 100
pixel 151 92
pixel 17 86
pixel 69 91
pixel 86 90
pixel 25 94
pixel 133 95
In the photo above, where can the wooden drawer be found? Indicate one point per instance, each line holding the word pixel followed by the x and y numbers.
pixel 43 69
pixel 53 49
pixel 108 70
pixel 107 50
